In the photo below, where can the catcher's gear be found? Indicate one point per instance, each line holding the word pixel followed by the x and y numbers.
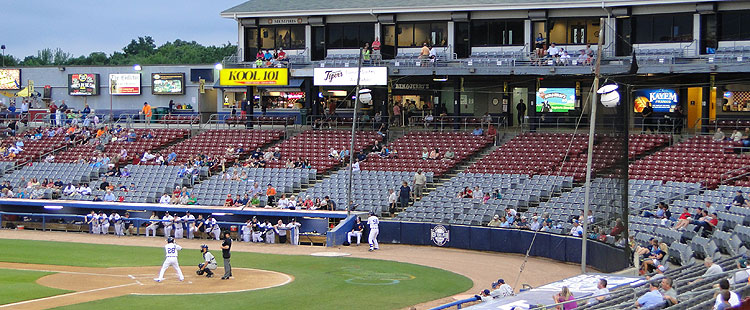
pixel 199 272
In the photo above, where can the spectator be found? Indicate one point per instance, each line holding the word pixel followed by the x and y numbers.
pixel 601 294
pixel 719 135
pixel 563 296
pixel 109 196
pixel 708 222
pixel 484 295
pixel 404 194
pixel 736 136
pixel 229 201
pixel 420 180
pixel 683 220
pixel 270 195
pixel 495 222
pixel 165 199
pixel 535 226
pixel 565 58
pixel 668 292
pixel 478 131
pixel 739 199
pixel 733 300
pixel 655 257
pixel 392 200
pixel 146 112
pixel 449 154
pixel 711 270
pixel 576 230
pixel 553 52
pixel 424 53
pixel 652 298
pixel 743 274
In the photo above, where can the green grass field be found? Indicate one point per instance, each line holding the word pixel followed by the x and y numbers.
pixel 320 282
pixel 19 285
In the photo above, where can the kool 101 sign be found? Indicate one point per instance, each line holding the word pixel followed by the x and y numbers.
pixel 348 76
pixel 252 77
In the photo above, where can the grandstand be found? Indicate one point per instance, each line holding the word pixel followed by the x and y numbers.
pixel 314 146
pixel 161 138
pixel 215 142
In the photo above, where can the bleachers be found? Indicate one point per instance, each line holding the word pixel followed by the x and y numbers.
pixel 214 143
pixel 369 188
pixel 135 149
pixel 698 159
pixel 531 154
pixel 315 145
pixel 34 149
pixel 443 206
pixel 180 119
pixel 214 190
pixel 66 172
pixel 410 149
pixel 150 183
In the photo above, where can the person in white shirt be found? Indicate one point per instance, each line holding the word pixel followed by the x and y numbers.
pixel 109 196
pixel 373 223
pixel 501 289
pixel 576 230
pixel 84 190
pixel 212 227
pixel 553 51
pixel 535 223
pixel 247 231
pixel 293 228
pixel 270 230
pixel 734 299
pixel 117 222
pixel 69 190
pixel 355 166
pixel 153 225
pixel 281 231
pixel 170 259
pixel 711 269
pixel 190 220
pixel 392 199
pixel 104 223
pixel 165 199
pixel 602 292
pixel 167 222
pixel 565 58
pixel 178 228
pixel 147 157
pixel 283 202
pixel 95 225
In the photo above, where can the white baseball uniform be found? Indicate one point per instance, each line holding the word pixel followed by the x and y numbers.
pixel 104 220
pixel 170 259
pixel 95 225
pixel 167 225
pixel 256 233
pixel 153 226
pixel 89 221
pixel 373 222
pixel 246 232
pixel 213 228
pixel 190 220
pixel 178 230
pixel 270 231
pixel 294 232
pixel 117 220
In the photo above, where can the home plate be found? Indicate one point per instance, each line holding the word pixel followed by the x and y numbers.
pixel 330 254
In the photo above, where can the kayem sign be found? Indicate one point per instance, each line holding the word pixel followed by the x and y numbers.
pixel 83 84
pixel 348 76
pixel 250 77
pixel 125 84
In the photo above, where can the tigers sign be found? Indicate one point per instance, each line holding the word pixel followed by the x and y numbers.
pixel 254 77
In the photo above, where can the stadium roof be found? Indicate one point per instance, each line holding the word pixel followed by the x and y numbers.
pixel 276 8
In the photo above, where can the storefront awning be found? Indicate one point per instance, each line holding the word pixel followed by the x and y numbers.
pixel 294 85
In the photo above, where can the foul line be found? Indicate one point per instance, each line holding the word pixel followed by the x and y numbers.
pixel 67 272
pixel 288 280
pixel 65 295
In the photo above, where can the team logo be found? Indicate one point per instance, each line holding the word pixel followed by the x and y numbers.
pixel 440 235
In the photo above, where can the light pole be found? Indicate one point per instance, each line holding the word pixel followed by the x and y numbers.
pixel 354 127
pixel 3 48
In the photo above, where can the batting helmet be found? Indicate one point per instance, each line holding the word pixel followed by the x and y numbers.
pixel 204 246
pixel 170 240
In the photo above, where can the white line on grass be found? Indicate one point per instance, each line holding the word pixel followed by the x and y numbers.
pixel 65 295
pixel 67 272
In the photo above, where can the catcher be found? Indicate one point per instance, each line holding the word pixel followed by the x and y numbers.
pixel 208 264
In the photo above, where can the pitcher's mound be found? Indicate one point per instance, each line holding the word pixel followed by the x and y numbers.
pixel 140 280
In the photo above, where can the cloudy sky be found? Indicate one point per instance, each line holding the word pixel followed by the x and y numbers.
pixel 84 26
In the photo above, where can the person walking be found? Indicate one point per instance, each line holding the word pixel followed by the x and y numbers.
pixel 420 179
pixel 226 247
pixel 521 110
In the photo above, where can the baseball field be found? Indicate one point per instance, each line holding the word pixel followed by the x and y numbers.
pixel 124 276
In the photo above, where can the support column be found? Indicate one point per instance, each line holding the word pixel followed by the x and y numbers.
pixel 696 47
pixel 451 39
pixel 527 43
pixel 240 42
pixel 308 42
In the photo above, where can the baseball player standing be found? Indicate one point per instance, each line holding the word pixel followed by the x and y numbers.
pixel 270 232
pixel 226 247
pixel 104 223
pixel 90 221
pixel 256 231
pixel 94 222
pixel 178 229
pixel 373 222
pixel 190 220
pixel 117 221
pixel 293 227
pixel 153 225
pixel 247 231
pixel 356 231
pixel 209 263
pixel 171 250
pixel 168 219
pixel 212 227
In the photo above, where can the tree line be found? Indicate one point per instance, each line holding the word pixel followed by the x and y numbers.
pixel 139 51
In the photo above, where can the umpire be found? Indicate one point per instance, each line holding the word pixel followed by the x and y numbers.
pixel 226 246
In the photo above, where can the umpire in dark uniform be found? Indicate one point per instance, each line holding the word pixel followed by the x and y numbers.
pixel 226 246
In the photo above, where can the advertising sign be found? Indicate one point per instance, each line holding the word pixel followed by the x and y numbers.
pixel 10 79
pixel 662 100
pixel 555 99
pixel 348 76
pixel 167 83
pixel 125 84
pixel 83 84
pixel 250 77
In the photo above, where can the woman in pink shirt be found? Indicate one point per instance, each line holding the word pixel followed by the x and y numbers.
pixel 563 296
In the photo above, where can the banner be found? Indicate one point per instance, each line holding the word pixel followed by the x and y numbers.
pixel 10 79
pixel 555 99
pixel 661 100
pixel 125 84
pixel 83 84
pixel 348 76
pixel 167 83
pixel 251 77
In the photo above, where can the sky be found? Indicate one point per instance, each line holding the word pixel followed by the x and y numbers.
pixel 84 26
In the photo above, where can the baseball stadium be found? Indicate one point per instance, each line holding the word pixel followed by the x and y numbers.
pixel 480 154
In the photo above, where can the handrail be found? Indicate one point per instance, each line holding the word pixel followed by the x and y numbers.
pixel 620 291
pixel 722 179
pixel 457 303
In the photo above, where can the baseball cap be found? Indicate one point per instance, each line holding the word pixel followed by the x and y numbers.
pixel 501 281
pixel 742 262
pixel 486 291
pixel 662 268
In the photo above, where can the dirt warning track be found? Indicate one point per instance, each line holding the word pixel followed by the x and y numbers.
pixel 89 284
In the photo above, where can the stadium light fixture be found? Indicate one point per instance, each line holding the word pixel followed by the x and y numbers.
pixel 440 79
pixel 137 67
pixel 218 214
pixel 365 96
pixel 610 97
pixel 218 66
pixel 53 207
